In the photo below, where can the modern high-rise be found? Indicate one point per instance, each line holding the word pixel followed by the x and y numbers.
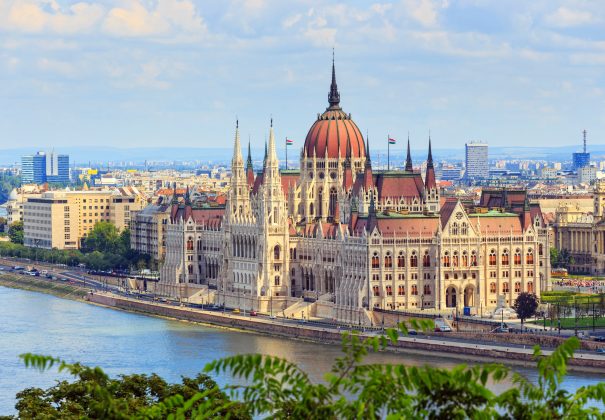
pixel 581 159
pixel 33 168
pixel 477 166
pixel 45 167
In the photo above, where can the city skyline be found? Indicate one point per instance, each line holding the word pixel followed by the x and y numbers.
pixel 179 72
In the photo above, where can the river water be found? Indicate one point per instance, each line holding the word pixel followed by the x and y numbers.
pixel 122 342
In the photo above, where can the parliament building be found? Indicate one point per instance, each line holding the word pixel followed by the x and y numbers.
pixel 337 239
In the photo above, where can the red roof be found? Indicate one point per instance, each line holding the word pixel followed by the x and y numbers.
pixel 406 226
pixel 331 131
pixel 399 184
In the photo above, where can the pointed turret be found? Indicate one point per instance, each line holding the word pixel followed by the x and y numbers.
pixel 408 160
pixel 334 95
pixel 347 181
pixel 429 179
pixel 368 180
pixel 249 168
pixel 187 197
pixel 175 199
pixel 237 149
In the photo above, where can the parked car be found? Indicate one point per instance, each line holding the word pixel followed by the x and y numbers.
pixel 236 311
pixel 443 328
pixel 601 350
pixel 412 331
pixel 501 330
pixel 253 313
pixel 599 338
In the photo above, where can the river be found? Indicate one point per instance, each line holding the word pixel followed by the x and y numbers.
pixel 122 342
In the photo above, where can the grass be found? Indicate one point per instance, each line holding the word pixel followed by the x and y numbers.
pixel 568 298
pixel 38 284
pixel 569 323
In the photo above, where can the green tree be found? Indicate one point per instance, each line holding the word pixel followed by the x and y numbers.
pixel 94 395
pixel 15 232
pixel 554 257
pixel 525 305
pixel 104 237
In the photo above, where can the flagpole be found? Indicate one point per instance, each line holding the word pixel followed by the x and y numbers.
pixel 388 152
pixel 286 153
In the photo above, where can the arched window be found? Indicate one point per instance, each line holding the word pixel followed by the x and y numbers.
pixel 517 258
pixel 454 229
pixel 276 252
pixel 277 280
pixel 473 259
pixel 413 259
pixel 332 202
pixel 414 290
pixel 455 259
pixel 388 260
pixel 492 287
pixel 426 259
pixel 464 229
pixel 401 290
pixel 190 244
pixel 492 257
pixel 311 209
pixel 517 287
pixel 400 260
pixel 375 260
pixel 446 259
pixel 427 289
pixel 464 259
pixel 530 287
pixel 505 259
pixel 190 269
pixel 505 287
pixel 529 257
pixel 540 250
pixel 320 196
pixel 376 290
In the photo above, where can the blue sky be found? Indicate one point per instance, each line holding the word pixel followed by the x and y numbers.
pixel 136 73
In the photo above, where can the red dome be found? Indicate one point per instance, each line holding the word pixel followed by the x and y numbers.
pixel 335 129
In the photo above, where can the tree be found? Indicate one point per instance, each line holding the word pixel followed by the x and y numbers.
pixel 104 237
pixel 94 395
pixel 525 305
pixel 15 232
pixel 554 257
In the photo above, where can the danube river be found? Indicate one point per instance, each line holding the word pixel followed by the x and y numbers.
pixel 122 342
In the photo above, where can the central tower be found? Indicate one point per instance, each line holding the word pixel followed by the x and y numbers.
pixel 332 139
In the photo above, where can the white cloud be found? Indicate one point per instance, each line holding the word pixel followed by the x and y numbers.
pixel 565 17
pixel 291 21
pixel 425 12
pixel 61 67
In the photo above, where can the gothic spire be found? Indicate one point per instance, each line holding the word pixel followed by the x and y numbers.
pixel 408 160
pixel 368 160
pixel 429 160
pixel 249 160
pixel 237 150
pixel 187 197
pixel 334 95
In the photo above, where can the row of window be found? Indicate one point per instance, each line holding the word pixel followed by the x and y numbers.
pixel 401 290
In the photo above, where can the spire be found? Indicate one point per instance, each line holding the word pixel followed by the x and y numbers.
pixel 429 160
pixel 249 168
pixel 368 159
pixel 408 160
pixel 249 160
pixel 175 199
pixel 187 197
pixel 237 150
pixel 272 150
pixel 334 95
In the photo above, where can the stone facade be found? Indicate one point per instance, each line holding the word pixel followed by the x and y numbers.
pixel 337 239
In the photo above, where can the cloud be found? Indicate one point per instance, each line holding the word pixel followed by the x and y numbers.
pixel 564 17
pixel 33 16
pixel 425 12
pixel 133 19
pixel 61 67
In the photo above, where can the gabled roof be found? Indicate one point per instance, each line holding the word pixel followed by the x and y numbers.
pixel 398 184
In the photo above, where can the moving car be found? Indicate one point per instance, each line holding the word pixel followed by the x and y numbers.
pixel 236 311
pixel 253 313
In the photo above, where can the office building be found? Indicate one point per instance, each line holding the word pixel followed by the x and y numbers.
pixel 45 167
pixel 477 166
pixel 581 159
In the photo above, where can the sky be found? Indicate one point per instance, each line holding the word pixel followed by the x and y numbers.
pixel 177 73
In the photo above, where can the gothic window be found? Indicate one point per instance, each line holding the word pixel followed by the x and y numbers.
pixel 190 269
pixel 492 287
pixel 375 260
pixel 389 291
pixel 401 260
pixel 517 257
pixel 401 290
pixel 311 209
pixel 530 287
pixel 464 259
pixel 464 229
pixel 454 229
pixel 505 287
pixel 492 257
pixel 414 290
pixel 277 280
pixel 427 289
pixel 332 211
pixel 455 259
pixel 276 252
pixel 529 257
pixel 320 196
pixel 505 259
pixel 517 287
pixel 473 259
pixel 190 244
pixel 376 290
pixel 388 260
pixel 426 259
pixel 413 259
pixel 540 250
pixel 446 259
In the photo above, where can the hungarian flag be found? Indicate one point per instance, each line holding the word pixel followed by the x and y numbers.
pixel 392 141
pixel 289 142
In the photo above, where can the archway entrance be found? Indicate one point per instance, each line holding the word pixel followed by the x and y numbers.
pixel 450 297
pixel 469 296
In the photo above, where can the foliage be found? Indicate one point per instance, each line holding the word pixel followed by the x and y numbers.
pixel 94 395
pixel 561 258
pixel 525 305
pixel 105 237
pixel 7 183
pixel 276 388
pixel 3 222
pixel 15 232
pixel 554 257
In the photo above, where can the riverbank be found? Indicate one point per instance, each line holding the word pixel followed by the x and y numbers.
pixel 37 284
pixel 434 344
